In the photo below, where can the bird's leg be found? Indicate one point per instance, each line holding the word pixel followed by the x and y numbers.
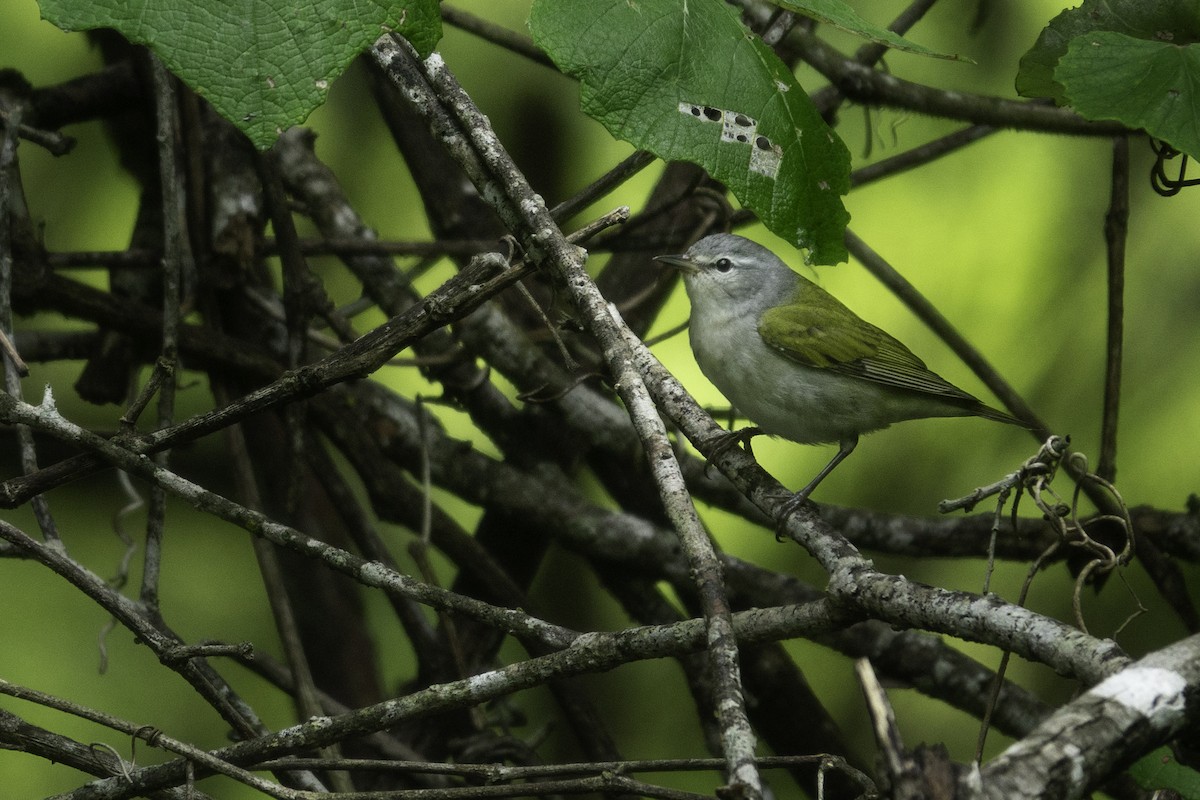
pixel 728 440
pixel 793 503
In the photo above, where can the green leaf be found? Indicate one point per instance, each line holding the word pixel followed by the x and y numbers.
pixel 840 15
pixel 1160 770
pixel 1152 20
pixel 1144 84
pixel 685 80
pixel 263 64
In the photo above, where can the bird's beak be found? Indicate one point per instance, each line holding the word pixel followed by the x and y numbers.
pixel 680 262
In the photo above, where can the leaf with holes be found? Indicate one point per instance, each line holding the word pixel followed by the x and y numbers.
pixel 685 80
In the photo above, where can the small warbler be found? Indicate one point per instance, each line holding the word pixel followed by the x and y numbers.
pixel 795 361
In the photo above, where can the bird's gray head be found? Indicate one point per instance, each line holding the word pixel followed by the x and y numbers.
pixel 732 270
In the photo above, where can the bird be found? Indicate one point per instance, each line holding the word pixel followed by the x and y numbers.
pixel 798 363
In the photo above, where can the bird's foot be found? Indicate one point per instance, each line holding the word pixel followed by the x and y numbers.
pixel 789 507
pixel 794 503
pixel 730 439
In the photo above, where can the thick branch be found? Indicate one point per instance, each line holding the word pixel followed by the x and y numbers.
pixel 869 86
pixel 1144 705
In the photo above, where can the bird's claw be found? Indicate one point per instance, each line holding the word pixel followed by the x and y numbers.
pixel 727 440
pixel 789 507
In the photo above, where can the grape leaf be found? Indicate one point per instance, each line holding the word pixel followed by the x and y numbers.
pixel 685 80
pixel 263 64
pixel 1153 20
pixel 1160 770
pixel 1144 84
pixel 842 16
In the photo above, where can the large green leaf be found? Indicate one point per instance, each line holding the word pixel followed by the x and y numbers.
pixel 685 80
pixel 1152 20
pixel 840 15
pixel 1161 770
pixel 263 64
pixel 1144 84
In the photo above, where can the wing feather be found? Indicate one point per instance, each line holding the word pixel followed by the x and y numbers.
pixel 826 335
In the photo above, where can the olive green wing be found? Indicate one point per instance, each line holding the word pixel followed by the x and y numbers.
pixel 818 336
pixel 819 332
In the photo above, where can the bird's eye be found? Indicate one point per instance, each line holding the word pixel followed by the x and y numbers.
pixel 723 265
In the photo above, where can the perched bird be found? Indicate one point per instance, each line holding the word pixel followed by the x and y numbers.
pixel 797 362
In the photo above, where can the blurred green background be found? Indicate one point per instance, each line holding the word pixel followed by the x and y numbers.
pixel 1005 237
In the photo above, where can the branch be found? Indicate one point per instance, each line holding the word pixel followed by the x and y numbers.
pixel 1145 704
pixel 455 298
pixel 496 34
pixel 163 643
pixel 12 208
pixel 98 760
pixel 588 654
pixel 524 212
pixel 854 583
pixel 869 86
pixel 549 500
pixel 1116 227
pixel 918 156
pixel 47 418
pixel 21 736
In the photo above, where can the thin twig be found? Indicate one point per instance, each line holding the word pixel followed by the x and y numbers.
pixel 304 690
pixel 458 296
pixel 917 156
pixel 1116 226
pixel 828 99
pixel 55 143
pixel 176 261
pixel 140 258
pixel 11 202
pixel 153 736
pixel 628 167
pixel 206 681
pixel 496 34
pixel 9 352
